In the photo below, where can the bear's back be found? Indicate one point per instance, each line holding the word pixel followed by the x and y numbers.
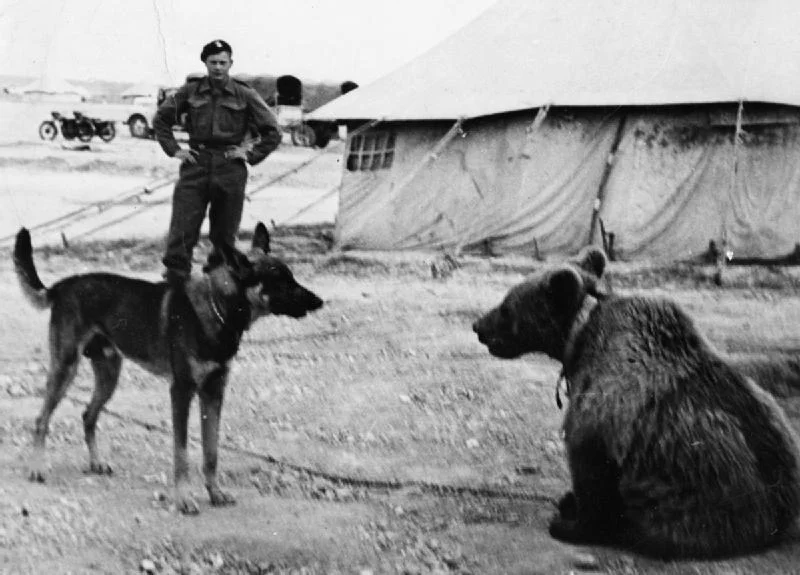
pixel 692 436
pixel 635 337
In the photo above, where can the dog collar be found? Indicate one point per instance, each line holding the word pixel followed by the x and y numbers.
pixel 589 303
pixel 213 303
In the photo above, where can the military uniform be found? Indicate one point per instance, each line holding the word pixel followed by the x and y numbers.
pixel 218 120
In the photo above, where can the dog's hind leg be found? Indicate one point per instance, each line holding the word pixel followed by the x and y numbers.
pixel 64 360
pixel 211 395
pixel 106 364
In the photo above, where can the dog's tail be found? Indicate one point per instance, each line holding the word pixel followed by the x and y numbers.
pixel 778 374
pixel 33 288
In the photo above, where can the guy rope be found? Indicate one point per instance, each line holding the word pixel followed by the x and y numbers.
pixel 97 208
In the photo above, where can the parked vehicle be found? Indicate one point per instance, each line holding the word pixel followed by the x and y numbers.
pixel 142 117
pixel 78 126
pixel 71 128
pixel 288 102
pixel 103 129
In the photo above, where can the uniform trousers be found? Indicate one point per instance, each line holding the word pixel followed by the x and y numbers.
pixel 215 183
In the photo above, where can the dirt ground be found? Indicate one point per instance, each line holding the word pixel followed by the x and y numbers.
pixel 375 436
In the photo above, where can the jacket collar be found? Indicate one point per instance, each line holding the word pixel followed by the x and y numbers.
pixel 205 85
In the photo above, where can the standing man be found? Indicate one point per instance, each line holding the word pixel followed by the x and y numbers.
pixel 220 112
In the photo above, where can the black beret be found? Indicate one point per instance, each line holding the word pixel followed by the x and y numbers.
pixel 215 47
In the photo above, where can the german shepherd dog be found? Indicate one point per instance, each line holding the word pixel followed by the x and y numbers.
pixel 189 334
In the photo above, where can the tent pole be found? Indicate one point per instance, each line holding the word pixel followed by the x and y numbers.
pixel 541 115
pixel 725 253
pixel 601 190
pixel 737 137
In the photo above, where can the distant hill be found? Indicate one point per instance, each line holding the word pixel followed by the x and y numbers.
pixel 7 81
pixel 101 90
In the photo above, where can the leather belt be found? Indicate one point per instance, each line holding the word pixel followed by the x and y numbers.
pixel 220 148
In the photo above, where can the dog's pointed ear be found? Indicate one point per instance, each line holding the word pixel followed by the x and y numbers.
pixel 261 238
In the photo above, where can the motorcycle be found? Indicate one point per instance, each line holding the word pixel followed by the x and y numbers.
pixel 71 128
pixel 104 129
pixel 79 126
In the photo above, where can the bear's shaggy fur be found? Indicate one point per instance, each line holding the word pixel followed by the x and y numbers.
pixel 672 449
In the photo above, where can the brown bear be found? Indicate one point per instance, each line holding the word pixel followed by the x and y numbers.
pixel 673 451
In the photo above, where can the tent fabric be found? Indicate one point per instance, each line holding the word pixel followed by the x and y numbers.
pixel 650 82
pixel 523 54
pixel 673 188
pixel 499 184
pixel 509 189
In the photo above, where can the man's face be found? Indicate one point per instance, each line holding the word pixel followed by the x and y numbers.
pixel 218 65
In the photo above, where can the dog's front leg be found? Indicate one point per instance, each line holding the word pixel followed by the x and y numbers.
pixel 211 395
pixel 181 394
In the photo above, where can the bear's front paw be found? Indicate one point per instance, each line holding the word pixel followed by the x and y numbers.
pixel 566 529
pixel 577 531
pixel 568 506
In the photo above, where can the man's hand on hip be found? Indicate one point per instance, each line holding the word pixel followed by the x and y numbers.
pixel 237 153
pixel 186 156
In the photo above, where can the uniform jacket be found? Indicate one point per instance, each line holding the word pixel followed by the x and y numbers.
pixel 218 118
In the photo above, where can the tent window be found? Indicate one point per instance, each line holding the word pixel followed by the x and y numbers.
pixel 370 152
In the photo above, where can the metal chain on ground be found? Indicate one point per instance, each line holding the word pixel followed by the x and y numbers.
pixel 438 489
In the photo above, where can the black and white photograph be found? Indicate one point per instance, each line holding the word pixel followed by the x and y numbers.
pixel 443 287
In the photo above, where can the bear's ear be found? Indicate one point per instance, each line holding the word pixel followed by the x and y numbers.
pixel 593 260
pixel 566 288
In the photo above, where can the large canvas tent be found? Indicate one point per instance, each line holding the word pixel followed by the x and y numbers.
pixel 544 122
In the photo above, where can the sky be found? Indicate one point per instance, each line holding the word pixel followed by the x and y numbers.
pixel 160 40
